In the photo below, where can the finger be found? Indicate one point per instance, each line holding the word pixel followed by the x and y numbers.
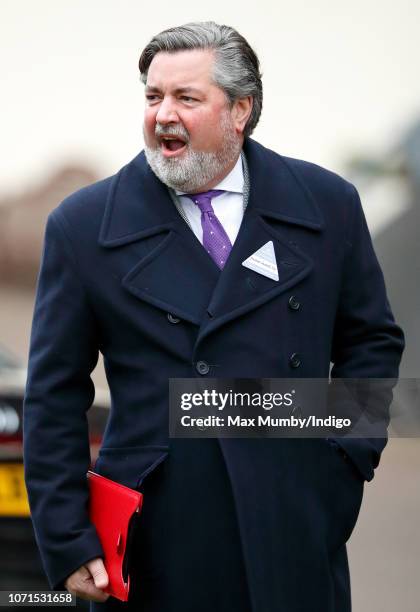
pixel 90 593
pixel 81 584
pixel 79 575
pixel 99 574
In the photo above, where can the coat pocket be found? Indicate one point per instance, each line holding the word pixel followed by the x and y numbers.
pixel 345 494
pixel 130 465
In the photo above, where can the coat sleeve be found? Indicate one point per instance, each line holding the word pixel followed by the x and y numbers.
pixel 368 344
pixel 59 390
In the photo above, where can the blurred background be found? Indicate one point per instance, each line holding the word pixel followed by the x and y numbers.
pixel 341 89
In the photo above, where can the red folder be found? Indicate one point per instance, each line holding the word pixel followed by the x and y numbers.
pixel 113 509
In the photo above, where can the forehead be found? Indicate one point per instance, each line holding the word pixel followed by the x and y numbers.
pixel 181 69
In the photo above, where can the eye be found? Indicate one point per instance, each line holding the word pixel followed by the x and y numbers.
pixel 151 97
pixel 188 99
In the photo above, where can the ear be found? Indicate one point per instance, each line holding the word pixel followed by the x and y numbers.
pixel 241 111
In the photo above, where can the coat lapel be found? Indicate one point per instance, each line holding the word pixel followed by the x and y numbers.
pixel 276 195
pixel 240 289
pixel 172 270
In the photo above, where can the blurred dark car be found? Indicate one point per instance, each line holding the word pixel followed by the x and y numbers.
pixel 20 564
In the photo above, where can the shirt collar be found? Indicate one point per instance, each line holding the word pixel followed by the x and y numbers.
pixel 234 181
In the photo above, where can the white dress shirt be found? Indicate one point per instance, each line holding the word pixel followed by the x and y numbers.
pixel 228 207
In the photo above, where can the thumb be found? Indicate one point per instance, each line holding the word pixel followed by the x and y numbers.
pixel 99 573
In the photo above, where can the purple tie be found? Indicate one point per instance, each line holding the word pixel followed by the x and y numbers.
pixel 215 239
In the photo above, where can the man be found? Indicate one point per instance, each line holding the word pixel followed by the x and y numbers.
pixel 147 267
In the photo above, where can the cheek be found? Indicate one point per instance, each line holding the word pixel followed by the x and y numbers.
pixel 205 130
pixel 149 122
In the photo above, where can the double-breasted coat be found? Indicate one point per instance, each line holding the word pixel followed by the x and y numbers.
pixel 123 274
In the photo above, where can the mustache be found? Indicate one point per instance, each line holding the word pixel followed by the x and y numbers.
pixel 172 130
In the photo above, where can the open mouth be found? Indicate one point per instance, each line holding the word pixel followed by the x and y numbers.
pixel 172 145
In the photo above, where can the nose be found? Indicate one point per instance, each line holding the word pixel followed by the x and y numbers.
pixel 167 112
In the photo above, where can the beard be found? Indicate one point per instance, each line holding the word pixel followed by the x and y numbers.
pixel 195 168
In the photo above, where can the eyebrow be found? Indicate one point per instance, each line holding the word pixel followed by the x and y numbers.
pixel 178 90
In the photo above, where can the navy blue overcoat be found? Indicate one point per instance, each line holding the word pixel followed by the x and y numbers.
pixel 123 274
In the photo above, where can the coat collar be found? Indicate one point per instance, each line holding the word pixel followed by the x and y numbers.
pixel 276 190
pixel 166 265
pixel 139 205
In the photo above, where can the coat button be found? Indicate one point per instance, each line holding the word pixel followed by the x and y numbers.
pixel 294 303
pixel 294 360
pixel 202 367
pixel 172 319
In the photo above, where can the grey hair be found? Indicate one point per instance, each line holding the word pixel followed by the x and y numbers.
pixel 236 68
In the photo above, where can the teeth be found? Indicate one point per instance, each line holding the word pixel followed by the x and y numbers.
pixel 172 138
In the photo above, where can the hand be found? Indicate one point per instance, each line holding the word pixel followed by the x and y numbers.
pixel 88 581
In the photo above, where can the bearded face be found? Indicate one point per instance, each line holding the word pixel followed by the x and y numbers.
pixel 191 140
